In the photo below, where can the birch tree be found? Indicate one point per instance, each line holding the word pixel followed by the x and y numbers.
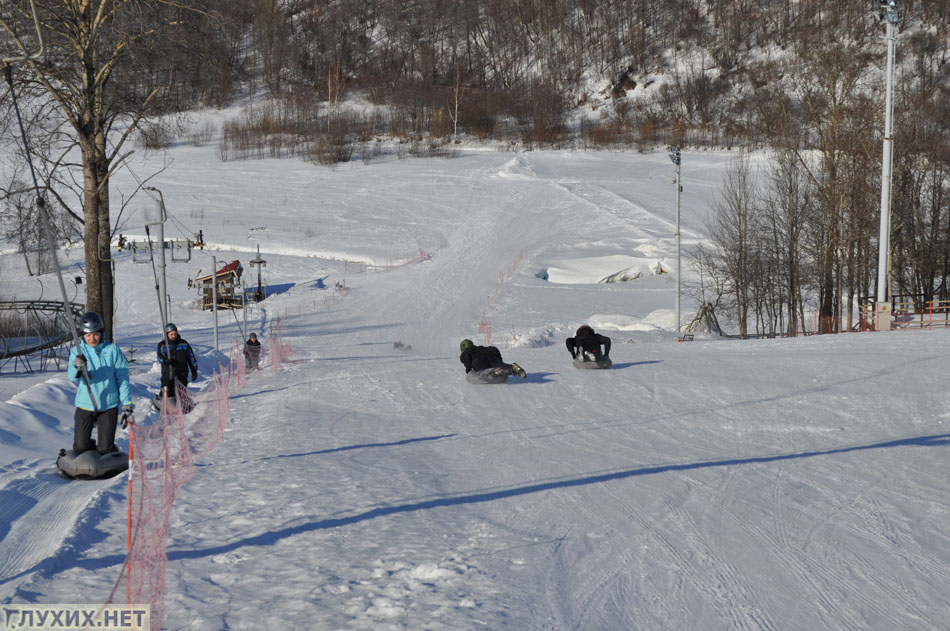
pixel 102 71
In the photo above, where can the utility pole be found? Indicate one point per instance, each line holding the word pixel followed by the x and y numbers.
pixel 162 295
pixel 214 297
pixel 162 277
pixel 259 263
pixel 675 158
pixel 883 310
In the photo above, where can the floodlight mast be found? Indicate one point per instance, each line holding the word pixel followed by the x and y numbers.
pixel 887 167
pixel 675 158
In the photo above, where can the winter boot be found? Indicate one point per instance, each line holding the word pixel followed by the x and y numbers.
pixel 518 370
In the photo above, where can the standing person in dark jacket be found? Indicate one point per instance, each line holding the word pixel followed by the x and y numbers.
pixel 252 352
pixel 481 357
pixel 97 403
pixel 587 343
pixel 177 360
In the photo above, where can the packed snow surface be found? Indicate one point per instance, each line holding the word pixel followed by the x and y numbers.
pixel 787 484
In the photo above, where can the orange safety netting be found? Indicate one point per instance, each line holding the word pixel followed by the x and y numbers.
pixel 162 460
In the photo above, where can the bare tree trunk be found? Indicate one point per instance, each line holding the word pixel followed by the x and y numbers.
pixel 91 234
pixel 107 301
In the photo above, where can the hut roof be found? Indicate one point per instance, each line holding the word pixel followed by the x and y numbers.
pixel 234 267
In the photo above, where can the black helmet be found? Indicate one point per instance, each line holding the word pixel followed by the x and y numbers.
pixel 91 323
pixel 253 336
pixel 465 344
pixel 170 327
pixel 584 331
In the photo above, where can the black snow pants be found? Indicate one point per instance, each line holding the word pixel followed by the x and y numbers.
pixel 105 422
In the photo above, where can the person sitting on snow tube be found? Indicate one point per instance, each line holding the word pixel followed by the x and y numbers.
pixel 477 358
pixel 98 405
pixel 587 343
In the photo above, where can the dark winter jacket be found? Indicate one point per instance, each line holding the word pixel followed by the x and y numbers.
pixel 589 343
pixel 252 350
pixel 182 360
pixel 480 358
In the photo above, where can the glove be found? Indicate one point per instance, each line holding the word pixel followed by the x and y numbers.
pixel 79 363
pixel 194 374
pixel 127 414
pixel 574 354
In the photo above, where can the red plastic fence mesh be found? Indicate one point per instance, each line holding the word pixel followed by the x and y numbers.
pixel 278 349
pixel 238 369
pixel 163 461
pixel 484 326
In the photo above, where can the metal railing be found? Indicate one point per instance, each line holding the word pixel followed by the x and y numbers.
pixel 35 329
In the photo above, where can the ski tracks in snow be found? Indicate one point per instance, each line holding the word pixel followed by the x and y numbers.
pixel 42 510
pixel 629 213
pixel 689 553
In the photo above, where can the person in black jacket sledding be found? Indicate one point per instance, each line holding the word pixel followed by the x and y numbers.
pixel 177 360
pixel 476 358
pixel 587 344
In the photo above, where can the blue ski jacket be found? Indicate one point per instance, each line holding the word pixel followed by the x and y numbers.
pixel 108 376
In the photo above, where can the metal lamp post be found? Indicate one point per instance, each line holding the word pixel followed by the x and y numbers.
pixel 884 316
pixel 162 281
pixel 675 158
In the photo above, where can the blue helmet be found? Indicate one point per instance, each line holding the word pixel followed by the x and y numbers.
pixel 170 327
pixel 91 322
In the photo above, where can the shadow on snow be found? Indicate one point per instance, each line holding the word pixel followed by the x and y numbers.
pixel 58 564
pixel 630 364
pixel 270 538
pixel 407 441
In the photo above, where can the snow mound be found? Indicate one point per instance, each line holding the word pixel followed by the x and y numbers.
pixel 429 572
pixel 661 319
pixel 616 268
pixel 555 333
pixel 517 168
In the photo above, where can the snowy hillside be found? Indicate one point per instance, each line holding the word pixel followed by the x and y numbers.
pixel 793 484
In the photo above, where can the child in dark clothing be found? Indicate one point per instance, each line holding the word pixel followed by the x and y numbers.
pixel 252 352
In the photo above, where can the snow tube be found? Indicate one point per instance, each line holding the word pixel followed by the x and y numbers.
pixel 603 362
pixel 92 464
pixel 488 375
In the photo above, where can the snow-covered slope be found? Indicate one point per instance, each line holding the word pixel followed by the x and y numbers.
pixel 787 484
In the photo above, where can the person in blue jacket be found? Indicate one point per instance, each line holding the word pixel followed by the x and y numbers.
pixel 97 403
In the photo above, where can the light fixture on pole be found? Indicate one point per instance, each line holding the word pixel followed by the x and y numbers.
pixel 883 311
pixel 675 158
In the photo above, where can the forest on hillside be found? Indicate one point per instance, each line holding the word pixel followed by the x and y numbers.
pixel 802 79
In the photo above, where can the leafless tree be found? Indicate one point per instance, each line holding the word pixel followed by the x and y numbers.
pixel 786 206
pixel 103 72
pixel 732 232
pixel 458 92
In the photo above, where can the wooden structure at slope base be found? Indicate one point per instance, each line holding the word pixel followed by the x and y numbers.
pixel 228 279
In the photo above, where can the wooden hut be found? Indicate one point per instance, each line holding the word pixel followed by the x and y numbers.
pixel 228 279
